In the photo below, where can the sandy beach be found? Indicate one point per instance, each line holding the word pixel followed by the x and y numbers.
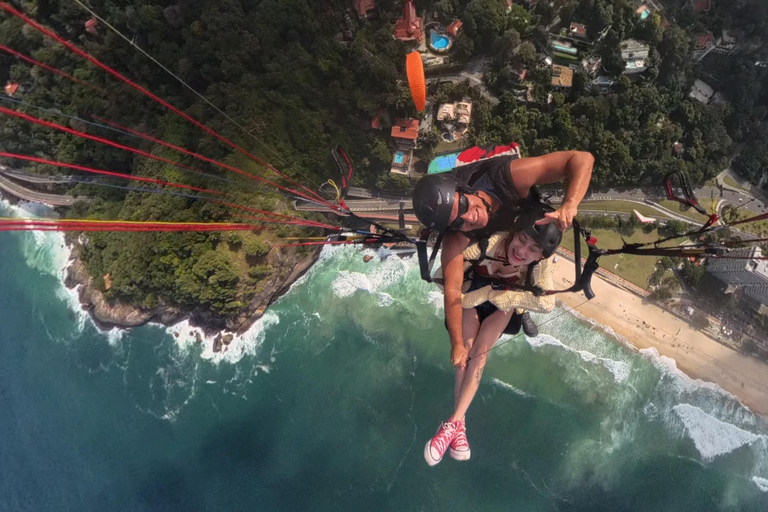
pixel 696 354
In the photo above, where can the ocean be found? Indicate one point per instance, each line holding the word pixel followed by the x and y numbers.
pixel 327 401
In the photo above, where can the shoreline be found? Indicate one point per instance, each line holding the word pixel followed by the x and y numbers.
pixel 107 316
pixel 645 325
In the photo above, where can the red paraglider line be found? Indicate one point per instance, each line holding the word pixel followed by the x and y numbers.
pixel 85 225
pixel 293 220
pixel 109 173
pixel 52 69
pixel 203 158
pixel 101 140
pixel 11 10
pixel 65 129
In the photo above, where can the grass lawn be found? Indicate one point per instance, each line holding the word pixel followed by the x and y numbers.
pixel 635 269
pixel 621 206
pixel 690 213
pixel 732 183
pixel 759 228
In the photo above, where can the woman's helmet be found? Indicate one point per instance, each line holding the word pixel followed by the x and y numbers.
pixel 548 236
pixel 433 200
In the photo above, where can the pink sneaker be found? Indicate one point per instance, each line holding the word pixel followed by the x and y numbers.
pixel 436 447
pixel 460 445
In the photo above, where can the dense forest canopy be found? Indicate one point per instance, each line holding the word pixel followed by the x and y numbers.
pixel 285 71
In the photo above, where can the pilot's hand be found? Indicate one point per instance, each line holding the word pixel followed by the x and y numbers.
pixel 563 217
pixel 459 354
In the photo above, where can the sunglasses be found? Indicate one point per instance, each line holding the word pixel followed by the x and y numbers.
pixel 463 209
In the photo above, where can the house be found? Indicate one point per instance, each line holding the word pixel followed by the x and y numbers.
pixel 455 118
pixel 578 30
pixel 454 28
pixel 705 43
pixel 410 26
pixel 405 132
pixel 432 61
pixel 635 56
pixel 91 27
pixel 364 7
pixel 446 113
pixel 643 12
pixel 602 83
pixel 727 44
pixel 562 77
pixel 702 92
pixel 11 88
pixel 519 73
pixel 402 161
pixel 593 64
pixel 463 114
pixel 701 6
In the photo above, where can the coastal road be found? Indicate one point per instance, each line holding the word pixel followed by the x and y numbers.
pixel 30 195
pixel 360 205
pixel 33 178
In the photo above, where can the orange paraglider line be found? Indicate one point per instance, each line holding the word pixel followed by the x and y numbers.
pixel 414 67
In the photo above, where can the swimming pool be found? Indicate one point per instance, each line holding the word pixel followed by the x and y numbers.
pixel 438 41
pixel 399 157
pixel 565 49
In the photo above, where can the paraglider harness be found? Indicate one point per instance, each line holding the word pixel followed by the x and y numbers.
pixel 583 270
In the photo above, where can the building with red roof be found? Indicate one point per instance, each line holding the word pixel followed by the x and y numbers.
pixel 410 26
pixel 406 131
pixel 364 7
pixel 453 28
pixel 11 88
pixel 702 5
pixel 705 43
pixel 90 26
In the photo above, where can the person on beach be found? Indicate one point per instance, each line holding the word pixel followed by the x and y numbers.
pixel 478 199
pixel 488 304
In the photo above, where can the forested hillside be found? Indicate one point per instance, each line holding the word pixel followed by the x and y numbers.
pixel 274 66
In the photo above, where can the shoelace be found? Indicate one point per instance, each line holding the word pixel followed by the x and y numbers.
pixel 443 441
pixel 461 438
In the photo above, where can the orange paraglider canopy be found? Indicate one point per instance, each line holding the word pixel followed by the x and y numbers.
pixel 415 69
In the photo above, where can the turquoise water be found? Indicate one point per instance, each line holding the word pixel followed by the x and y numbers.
pixel 565 49
pixel 326 404
pixel 438 41
pixel 398 158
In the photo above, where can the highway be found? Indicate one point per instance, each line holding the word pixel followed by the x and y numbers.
pixel 33 178
pixel 30 195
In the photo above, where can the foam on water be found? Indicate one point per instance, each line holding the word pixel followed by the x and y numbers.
pixel 435 299
pixel 246 344
pixel 711 436
pixel 681 382
pixel 510 387
pixel 619 369
pixel 380 277
pixel 761 483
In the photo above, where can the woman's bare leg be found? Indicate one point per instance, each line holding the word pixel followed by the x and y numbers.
pixel 490 331
pixel 470 325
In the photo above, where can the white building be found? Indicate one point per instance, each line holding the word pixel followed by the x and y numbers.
pixel 635 56
pixel 702 92
pixel 750 275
